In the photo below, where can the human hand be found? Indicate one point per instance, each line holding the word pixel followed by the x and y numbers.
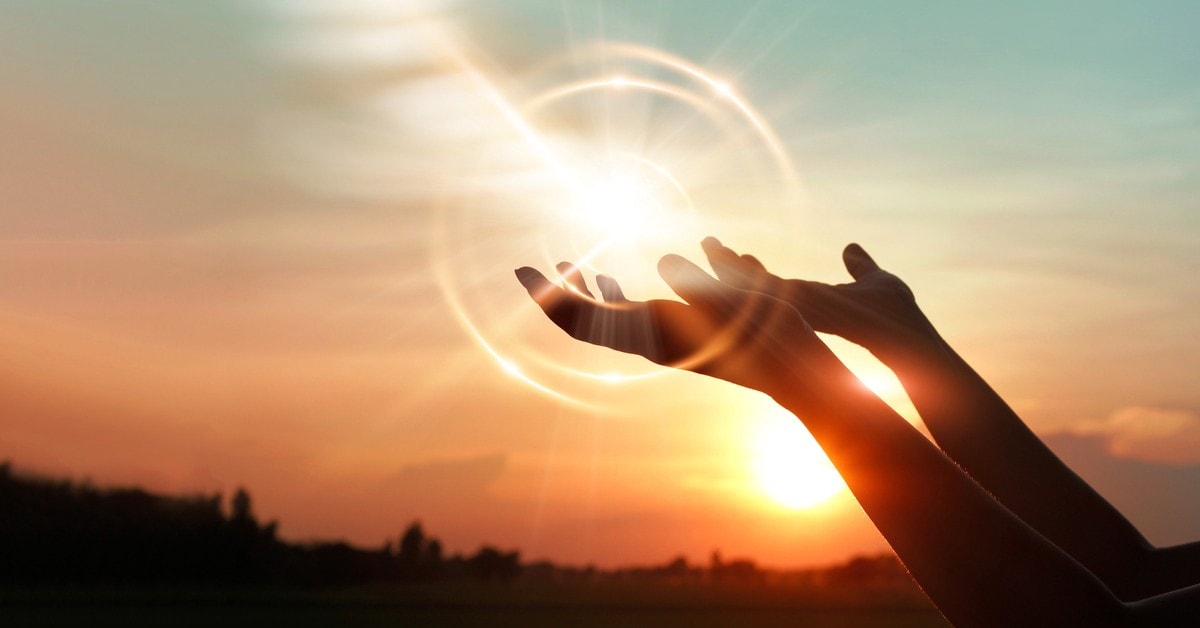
pixel 741 336
pixel 877 310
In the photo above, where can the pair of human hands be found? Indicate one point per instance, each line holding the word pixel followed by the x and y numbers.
pixel 747 326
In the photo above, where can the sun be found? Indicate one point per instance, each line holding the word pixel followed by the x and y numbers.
pixel 789 467
pixel 618 205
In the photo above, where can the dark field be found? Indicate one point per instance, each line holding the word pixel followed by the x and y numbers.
pixel 301 616
pixel 64 546
pixel 474 604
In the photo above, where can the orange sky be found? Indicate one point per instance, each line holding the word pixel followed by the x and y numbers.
pixel 218 269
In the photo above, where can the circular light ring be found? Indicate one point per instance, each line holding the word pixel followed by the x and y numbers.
pixel 722 92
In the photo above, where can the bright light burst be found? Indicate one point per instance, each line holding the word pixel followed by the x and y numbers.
pixel 618 206
pixel 789 466
pixel 609 172
pixel 608 155
pixel 628 199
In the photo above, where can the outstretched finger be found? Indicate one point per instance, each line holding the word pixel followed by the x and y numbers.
pixel 692 284
pixel 570 273
pixel 627 327
pixel 752 262
pixel 561 306
pixel 610 289
pixel 727 264
pixel 857 262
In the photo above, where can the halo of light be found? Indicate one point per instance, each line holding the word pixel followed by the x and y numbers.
pixel 580 158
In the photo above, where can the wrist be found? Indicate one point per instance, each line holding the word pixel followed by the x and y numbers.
pixel 815 384
pixel 921 347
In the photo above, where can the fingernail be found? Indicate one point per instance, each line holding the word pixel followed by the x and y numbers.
pixel 524 274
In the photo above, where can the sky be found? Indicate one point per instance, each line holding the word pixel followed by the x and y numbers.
pixel 269 244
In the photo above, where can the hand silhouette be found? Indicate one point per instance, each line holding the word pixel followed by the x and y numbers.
pixel 877 310
pixel 940 521
pixel 741 336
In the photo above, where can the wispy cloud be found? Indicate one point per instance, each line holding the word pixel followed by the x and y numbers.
pixel 1162 435
pixel 1159 498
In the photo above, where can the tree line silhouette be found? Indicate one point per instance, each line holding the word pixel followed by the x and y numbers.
pixel 63 532
pixel 59 532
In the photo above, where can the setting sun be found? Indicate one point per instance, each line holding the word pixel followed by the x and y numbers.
pixel 790 468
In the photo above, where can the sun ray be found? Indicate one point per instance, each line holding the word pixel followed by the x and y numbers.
pixel 611 191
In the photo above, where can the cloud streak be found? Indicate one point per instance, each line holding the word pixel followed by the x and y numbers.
pixel 1150 434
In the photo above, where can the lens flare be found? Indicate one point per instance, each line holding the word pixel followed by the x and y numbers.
pixel 644 155
pixel 628 198
pixel 607 155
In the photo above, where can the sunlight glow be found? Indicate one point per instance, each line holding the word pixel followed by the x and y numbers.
pixel 789 466
pixel 607 156
pixel 618 205
pixel 874 376
pixel 883 383
pixel 596 196
pixel 630 198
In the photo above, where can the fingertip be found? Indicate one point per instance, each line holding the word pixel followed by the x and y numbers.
pixel 713 248
pixel 680 270
pixel 535 282
pixel 858 262
pixel 671 264
pixel 689 281
pixel 540 289
pixel 609 289
pixel 753 261
pixel 528 276
pixel 855 252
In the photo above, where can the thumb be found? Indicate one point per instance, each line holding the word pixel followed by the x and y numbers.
pixel 857 262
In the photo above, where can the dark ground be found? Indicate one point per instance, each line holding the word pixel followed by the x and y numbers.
pixel 471 604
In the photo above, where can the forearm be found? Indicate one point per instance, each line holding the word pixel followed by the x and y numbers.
pixel 980 564
pixel 1170 568
pixel 979 431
